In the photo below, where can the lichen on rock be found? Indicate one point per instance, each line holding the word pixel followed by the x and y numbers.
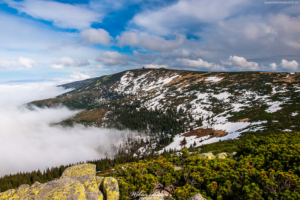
pixel 111 188
pixel 76 183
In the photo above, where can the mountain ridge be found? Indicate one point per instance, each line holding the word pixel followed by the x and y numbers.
pixel 170 103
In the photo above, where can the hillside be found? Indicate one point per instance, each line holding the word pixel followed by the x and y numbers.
pixel 202 107
pixel 241 130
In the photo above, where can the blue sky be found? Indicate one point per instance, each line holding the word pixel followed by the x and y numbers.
pixel 73 40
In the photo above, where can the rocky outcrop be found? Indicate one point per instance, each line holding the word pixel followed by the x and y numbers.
pixel 222 155
pixel 197 197
pixel 78 182
pixel 207 155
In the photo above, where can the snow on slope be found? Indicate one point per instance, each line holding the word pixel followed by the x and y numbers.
pixel 130 85
pixel 274 106
pixel 199 104
pixel 213 79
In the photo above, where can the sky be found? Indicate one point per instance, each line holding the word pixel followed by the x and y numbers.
pixel 80 39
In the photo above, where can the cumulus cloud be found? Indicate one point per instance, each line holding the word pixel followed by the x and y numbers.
pixel 153 66
pixel 79 76
pixel 95 36
pixel 69 62
pixel 184 13
pixel 27 62
pixel 241 63
pixel 29 142
pixel 22 62
pixel 151 42
pixel 273 66
pixel 65 15
pixel 112 58
pixel 100 67
pixel 289 65
pixel 200 64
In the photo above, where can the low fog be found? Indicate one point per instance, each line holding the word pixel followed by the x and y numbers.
pixel 28 141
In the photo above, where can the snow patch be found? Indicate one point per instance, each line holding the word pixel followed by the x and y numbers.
pixel 213 79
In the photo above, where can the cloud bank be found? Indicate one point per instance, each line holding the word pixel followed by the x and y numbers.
pixel 29 142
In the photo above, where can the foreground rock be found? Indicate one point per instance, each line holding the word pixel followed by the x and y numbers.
pixel 197 197
pixel 76 183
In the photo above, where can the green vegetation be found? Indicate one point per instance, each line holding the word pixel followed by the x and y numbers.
pixel 264 168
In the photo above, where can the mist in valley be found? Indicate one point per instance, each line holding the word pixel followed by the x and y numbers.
pixel 29 142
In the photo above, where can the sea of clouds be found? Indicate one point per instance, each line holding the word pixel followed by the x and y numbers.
pixel 29 142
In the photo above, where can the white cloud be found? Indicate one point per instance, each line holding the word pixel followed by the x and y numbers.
pixel 100 67
pixel 57 66
pixel 112 58
pixel 83 63
pixel 241 63
pixel 273 66
pixel 69 62
pixel 184 13
pixel 22 62
pixel 79 76
pixel 28 141
pixel 27 62
pixel 200 64
pixel 151 42
pixel 62 15
pixel 153 66
pixel 289 65
pixel 95 36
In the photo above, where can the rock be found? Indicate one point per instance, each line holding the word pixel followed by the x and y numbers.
pixel 111 188
pixel 222 155
pixel 86 174
pixel 99 180
pixel 207 155
pixel 197 197
pixel 76 183
pixel 65 188
pixel 177 168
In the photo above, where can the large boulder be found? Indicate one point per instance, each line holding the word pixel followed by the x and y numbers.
pixel 110 188
pixel 197 197
pixel 78 182
pixel 65 188
pixel 86 174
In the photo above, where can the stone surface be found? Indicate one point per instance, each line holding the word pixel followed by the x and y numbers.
pixel 222 155
pixel 177 167
pixel 207 155
pixel 197 197
pixel 111 188
pixel 76 183
pixel 99 180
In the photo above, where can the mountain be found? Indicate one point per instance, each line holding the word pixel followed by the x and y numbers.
pixel 77 84
pixel 241 130
pixel 182 108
